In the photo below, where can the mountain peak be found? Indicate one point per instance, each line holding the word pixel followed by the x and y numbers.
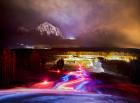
pixel 48 29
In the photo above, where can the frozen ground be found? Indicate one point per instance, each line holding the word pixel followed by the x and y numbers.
pixel 23 95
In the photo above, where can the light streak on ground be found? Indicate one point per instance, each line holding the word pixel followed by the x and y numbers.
pixel 76 86
pixel 81 81
pixel 81 78
pixel 71 84
pixel 44 84
pixel 74 80
pixel 81 89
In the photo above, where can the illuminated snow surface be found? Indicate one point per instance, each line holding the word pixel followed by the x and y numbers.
pixel 52 96
pixel 73 87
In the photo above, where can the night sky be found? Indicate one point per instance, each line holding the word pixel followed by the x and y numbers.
pixel 94 23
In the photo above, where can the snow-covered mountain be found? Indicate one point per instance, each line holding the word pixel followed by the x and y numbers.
pixel 48 29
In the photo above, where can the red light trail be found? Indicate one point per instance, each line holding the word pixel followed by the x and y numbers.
pixel 67 83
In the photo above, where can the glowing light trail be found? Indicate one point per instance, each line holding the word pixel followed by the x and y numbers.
pixel 81 78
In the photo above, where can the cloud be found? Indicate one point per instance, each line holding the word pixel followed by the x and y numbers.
pixel 82 17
